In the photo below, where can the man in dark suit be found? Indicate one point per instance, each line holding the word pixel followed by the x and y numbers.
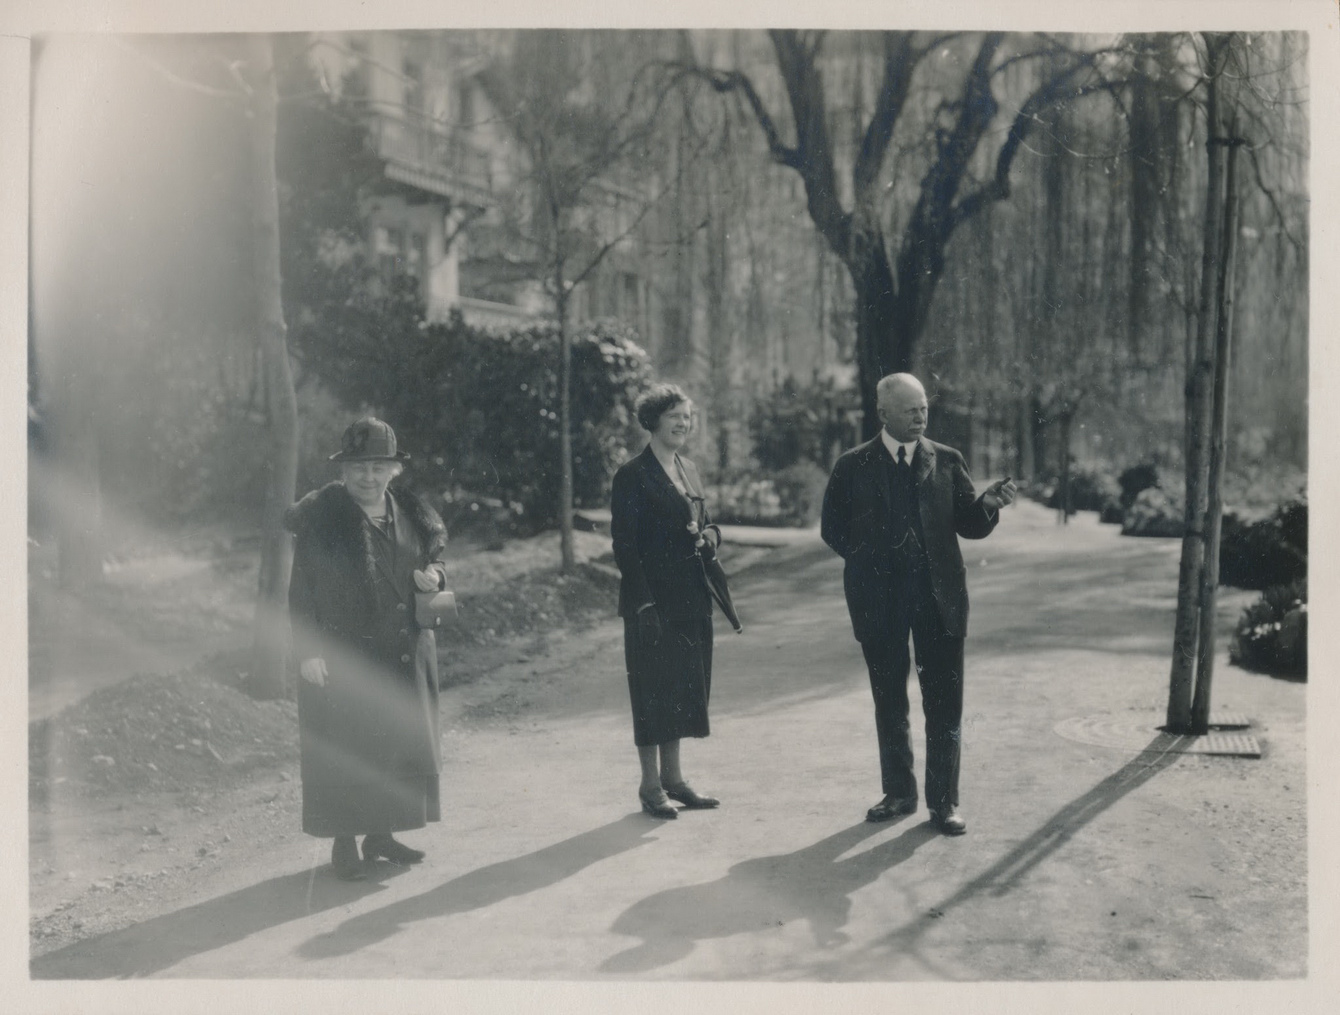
pixel 894 509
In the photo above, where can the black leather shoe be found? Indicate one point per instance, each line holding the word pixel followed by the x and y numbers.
pixel 386 847
pixel 344 859
pixel 949 821
pixel 891 807
pixel 657 806
pixel 690 799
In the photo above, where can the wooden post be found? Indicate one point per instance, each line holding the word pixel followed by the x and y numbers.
pixel 1199 379
pixel 566 553
pixel 1200 704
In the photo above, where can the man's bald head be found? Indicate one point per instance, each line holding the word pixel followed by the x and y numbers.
pixel 901 402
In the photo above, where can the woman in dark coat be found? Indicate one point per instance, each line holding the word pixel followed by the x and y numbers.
pixel 367 697
pixel 661 539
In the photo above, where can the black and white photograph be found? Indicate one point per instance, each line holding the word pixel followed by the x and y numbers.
pixel 769 510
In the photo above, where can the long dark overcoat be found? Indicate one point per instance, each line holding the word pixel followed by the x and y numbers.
pixel 670 681
pixel 855 523
pixel 370 735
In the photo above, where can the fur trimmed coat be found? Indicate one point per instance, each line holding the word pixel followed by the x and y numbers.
pixel 370 735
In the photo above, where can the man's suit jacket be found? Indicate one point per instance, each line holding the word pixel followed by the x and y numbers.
pixel 653 547
pixel 855 523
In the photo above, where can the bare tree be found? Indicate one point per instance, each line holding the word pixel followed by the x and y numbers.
pixel 576 138
pixel 894 287
pixel 269 651
pixel 1214 509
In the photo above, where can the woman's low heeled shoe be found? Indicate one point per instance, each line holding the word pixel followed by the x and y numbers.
pixel 657 807
pixel 388 849
pixel 685 795
pixel 344 860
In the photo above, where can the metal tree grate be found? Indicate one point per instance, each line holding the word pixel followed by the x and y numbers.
pixel 1141 731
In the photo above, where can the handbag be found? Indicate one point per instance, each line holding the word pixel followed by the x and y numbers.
pixel 431 608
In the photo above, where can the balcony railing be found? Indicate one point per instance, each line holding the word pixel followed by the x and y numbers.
pixel 487 314
pixel 440 160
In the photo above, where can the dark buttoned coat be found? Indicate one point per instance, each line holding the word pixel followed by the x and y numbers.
pixel 373 728
pixel 855 523
pixel 653 547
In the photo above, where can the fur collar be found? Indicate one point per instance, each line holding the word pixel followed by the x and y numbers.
pixel 331 517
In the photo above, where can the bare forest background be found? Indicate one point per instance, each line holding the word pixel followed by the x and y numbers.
pixel 773 220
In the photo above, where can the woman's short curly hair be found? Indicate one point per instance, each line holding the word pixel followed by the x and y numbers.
pixel 655 402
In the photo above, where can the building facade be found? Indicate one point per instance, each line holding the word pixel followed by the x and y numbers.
pixel 715 263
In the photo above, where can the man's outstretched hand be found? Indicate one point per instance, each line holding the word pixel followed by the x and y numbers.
pixel 999 494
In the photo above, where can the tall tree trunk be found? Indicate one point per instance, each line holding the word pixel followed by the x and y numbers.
pixel 1145 157
pixel 270 645
pixel 568 557
pixel 1199 378
pixel 883 338
pixel 1200 703
pixel 1026 463
pixel 891 313
pixel 1063 500
pixel 718 326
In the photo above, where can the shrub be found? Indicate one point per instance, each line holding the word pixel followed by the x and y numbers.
pixel 1042 490
pixel 1137 479
pixel 1271 636
pixel 800 423
pixel 1265 553
pixel 801 491
pixel 792 497
pixel 745 500
pixel 1154 512
pixel 1090 490
pixel 479 410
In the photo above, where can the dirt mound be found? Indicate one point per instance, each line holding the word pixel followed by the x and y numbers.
pixel 535 601
pixel 159 733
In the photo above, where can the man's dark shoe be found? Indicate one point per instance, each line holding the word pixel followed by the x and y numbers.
pixel 949 821
pixel 388 848
pixel 891 807
pixel 344 859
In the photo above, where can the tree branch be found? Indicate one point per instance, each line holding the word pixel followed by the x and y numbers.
pixel 814 150
pixel 601 252
pixel 736 81
pixel 1274 202
pixel 934 209
pixel 1053 92
pixel 900 61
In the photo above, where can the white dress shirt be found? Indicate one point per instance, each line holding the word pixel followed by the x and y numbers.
pixel 909 447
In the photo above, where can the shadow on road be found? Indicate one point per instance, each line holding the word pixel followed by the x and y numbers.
pixel 485 886
pixel 156 944
pixel 1010 869
pixel 763 892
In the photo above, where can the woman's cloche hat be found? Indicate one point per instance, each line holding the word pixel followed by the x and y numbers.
pixel 368 439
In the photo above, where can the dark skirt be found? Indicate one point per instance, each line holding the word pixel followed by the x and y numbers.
pixel 669 682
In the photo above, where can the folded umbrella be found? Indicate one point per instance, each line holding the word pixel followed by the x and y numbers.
pixel 716 583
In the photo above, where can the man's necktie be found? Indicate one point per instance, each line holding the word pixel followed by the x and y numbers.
pixel 902 457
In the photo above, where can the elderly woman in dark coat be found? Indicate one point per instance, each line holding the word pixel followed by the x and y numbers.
pixel 367 697
pixel 661 539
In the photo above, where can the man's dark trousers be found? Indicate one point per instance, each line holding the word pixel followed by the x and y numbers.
pixel 940 672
